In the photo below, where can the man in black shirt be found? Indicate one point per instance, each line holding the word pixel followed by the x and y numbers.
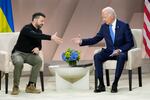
pixel 27 50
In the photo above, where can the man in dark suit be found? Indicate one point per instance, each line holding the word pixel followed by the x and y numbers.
pixel 119 40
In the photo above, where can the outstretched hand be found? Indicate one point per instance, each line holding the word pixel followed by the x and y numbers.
pixel 57 39
pixel 77 40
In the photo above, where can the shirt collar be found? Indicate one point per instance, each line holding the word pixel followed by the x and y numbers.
pixel 114 23
pixel 34 27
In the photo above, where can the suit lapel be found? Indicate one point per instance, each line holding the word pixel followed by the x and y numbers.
pixel 116 31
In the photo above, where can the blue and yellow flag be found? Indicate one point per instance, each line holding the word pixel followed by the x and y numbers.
pixel 6 16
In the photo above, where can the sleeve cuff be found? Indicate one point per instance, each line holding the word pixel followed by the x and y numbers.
pixel 80 42
pixel 120 50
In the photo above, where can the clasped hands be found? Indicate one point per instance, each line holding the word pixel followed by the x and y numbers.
pixel 115 53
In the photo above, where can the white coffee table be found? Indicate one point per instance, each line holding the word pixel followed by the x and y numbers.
pixel 71 77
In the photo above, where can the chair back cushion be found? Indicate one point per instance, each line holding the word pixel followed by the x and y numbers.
pixel 137 35
pixel 7 41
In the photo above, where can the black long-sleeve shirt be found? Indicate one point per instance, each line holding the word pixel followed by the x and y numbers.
pixel 29 38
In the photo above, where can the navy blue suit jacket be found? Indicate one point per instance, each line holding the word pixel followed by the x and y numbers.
pixel 123 37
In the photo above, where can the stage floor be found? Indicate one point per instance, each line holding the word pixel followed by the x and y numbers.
pixel 50 93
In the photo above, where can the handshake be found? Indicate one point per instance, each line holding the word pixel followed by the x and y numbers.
pixel 59 40
pixel 78 40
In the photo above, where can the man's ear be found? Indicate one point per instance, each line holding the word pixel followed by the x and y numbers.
pixel 35 20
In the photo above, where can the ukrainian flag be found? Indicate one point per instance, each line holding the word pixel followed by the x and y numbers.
pixel 6 16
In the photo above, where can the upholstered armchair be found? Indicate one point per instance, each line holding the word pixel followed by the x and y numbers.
pixel 133 62
pixel 7 42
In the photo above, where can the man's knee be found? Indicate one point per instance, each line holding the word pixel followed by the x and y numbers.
pixel 122 56
pixel 17 61
pixel 38 60
pixel 97 57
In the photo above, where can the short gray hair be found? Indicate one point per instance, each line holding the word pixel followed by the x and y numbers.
pixel 110 11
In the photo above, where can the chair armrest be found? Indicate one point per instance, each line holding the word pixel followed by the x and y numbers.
pixel 42 57
pixel 134 58
pixel 4 60
pixel 97 50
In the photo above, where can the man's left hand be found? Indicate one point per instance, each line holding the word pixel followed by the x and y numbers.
pixel 115 52
pixel 36 50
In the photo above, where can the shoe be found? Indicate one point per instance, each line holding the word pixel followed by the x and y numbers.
pixel 101 88
pixel 15 90
pixel 32 89
pixel 114 89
